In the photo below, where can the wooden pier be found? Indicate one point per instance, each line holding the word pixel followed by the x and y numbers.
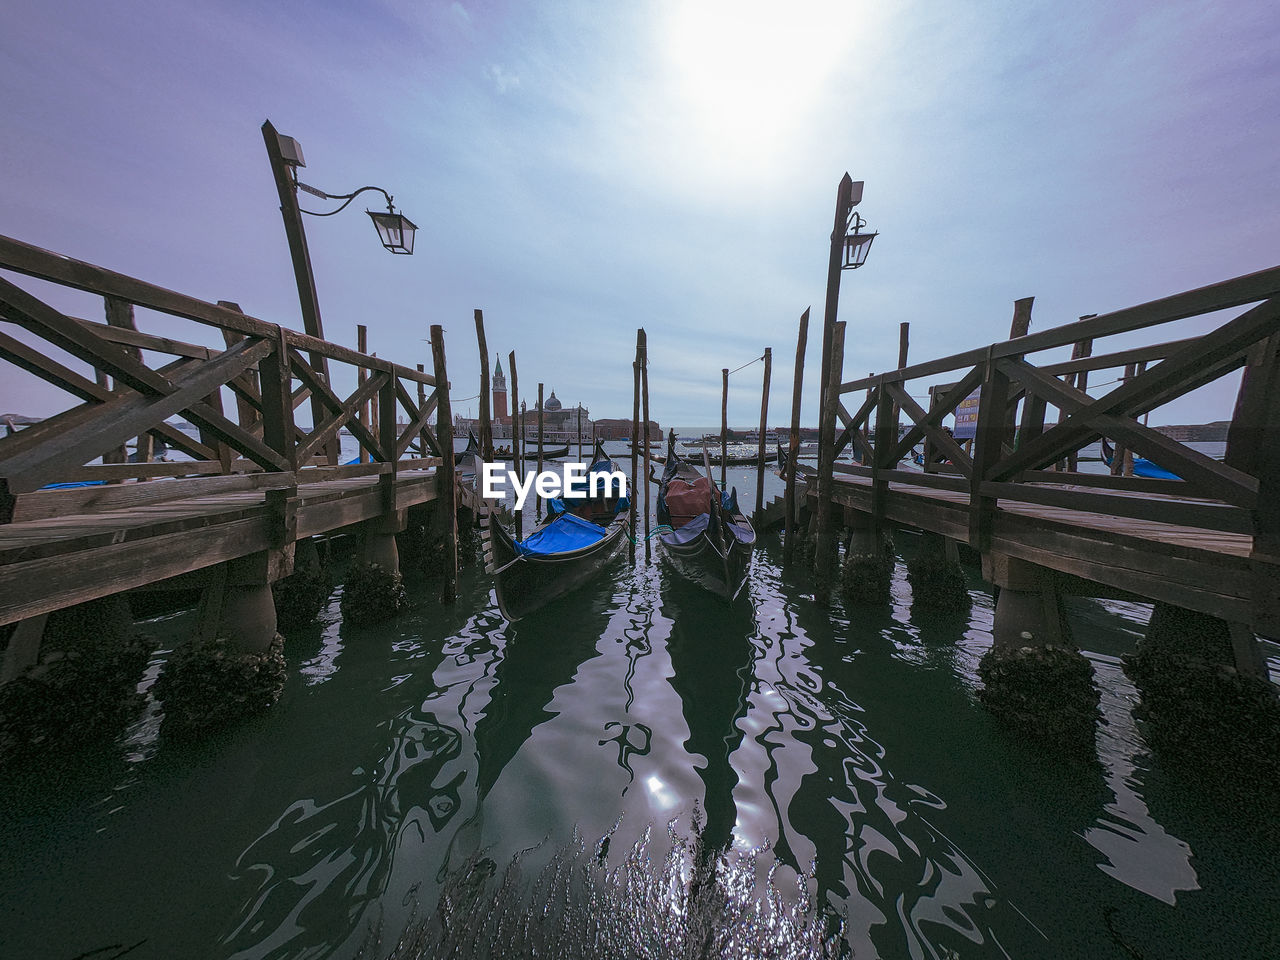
pixel 1207 542
pixel 252 481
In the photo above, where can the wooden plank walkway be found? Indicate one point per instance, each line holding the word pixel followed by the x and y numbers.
pixel 1199 569
pixel 54 562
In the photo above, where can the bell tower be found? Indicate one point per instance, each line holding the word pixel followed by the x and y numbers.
pixel 500 395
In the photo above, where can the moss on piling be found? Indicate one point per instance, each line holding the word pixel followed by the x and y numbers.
pixel 209 684
pixel 865 578
pixel 1198 711
pixel 1045 693
pixel 371 594
pixel 937 582
pixel 300 596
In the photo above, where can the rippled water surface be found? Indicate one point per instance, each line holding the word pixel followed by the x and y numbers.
pixel 406 756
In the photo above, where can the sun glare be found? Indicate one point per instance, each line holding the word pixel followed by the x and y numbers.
pixel 748 72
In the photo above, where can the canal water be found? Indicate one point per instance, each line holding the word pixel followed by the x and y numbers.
pixel 424 754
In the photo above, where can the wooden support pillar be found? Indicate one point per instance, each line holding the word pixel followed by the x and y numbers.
pixel 1029 609
pixel 635 440
pixel 793 441
pixel 446 511
pixel 1122 458
pixel 536 497
pixel 643 479
pixel 517 436
pixel 362 374
pixel 1081 350
pixel 764 428
pixel 995 429
pixel 826 469
pixel 724 426
pixel 119 313
pixel 23 650
pixel 486 425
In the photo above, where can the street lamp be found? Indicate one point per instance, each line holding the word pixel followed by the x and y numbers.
pixel 395 231
pixel 856 244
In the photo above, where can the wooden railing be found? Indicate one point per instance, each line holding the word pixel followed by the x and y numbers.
pixel 1016 456
pixel 269 370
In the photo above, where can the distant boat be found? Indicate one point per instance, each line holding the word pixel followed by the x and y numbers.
pixel 571 547
pixel 530 452
pixel 707 540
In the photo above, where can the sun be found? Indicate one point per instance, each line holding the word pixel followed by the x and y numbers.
pixel 747 73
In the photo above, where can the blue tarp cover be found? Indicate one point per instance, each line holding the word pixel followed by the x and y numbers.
pixel 1153 471
pixel 562 534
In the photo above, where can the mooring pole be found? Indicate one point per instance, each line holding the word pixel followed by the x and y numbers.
pixel 517 437
pixel 793 441
pixel 760 445
pixel 446 509
pixel 724 425
pixel 635 439
pixel 579 419
pixel 537 497
pixel 644 432
pixel 486 425
pixel 826 469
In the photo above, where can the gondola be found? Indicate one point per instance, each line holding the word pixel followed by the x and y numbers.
pixel 1141 466
pixel 530 453
pixel 579 536
pixel 707 539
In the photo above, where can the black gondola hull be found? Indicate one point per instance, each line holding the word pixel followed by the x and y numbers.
pixel 526 583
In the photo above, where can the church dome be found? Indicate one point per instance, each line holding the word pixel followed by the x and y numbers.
pixel 552 402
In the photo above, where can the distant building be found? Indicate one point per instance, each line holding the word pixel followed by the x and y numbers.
pixel 621 429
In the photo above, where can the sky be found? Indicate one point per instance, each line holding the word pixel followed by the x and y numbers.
pixel 581 169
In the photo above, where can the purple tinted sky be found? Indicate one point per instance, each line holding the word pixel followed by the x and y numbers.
pixel 581 169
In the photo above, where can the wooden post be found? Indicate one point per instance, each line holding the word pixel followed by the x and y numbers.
pixel 1079 351
pixel 844 203
pixel 538 499
pixel 362 375
pixel 446 511
pixel 517 436
pixel 302 273
pixel 643 433
pixel 764 419
pixel 904 343
pixel 486 426
pixel 994 429
pixel 119 313
pixel 724 426
pixel 422 405
pixel 277 401
pixel 579 419
pixel 1018 327
pixel 793 459
pixel 375 412
pixel 826 469
pixel 635 440
pixel 1122 458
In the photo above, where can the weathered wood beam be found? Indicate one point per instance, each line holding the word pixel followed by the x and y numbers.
pixel 46 265
pixel 1236 292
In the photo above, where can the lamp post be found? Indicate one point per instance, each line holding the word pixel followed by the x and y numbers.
pixel 849 249
pixel 395 231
